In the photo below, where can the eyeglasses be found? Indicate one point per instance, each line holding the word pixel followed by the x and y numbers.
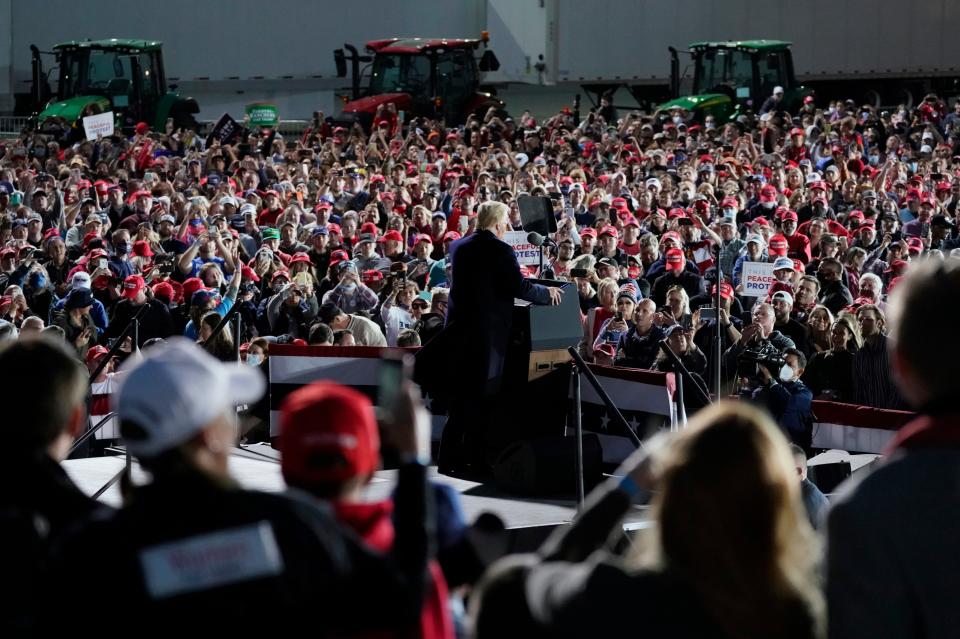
pixel 420 306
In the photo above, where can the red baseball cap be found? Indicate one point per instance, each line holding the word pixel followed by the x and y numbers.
pixel 778 245
pixel 369 227
pixel 451 236
pixel 164 290
pixel 592 232
pixel 730 201
pixel 897 267
pixel 300 257
pixel 371 275
pixel 629 220
pixel 768 193
pixel 789 215
pixel 132 285
pixel 249 274
pixel 675 260
pixel 675 213
pixel 338 256
pixel 726 291
pixel 761 221
pixel 328 433
pixel 392 235
pixel 423 237
pixel 609 230
pixel 606 349
pixel 914 244
pixel 142 248
pixel 671 235
pixel 191 286
pixel 96 353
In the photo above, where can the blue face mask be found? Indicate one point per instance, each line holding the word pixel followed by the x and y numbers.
pixel 122 248
pixel 38 280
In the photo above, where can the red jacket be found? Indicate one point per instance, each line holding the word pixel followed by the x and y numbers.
pixel 799 247
pixel 371 521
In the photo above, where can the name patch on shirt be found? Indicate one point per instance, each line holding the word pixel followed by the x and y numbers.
pixel 211 561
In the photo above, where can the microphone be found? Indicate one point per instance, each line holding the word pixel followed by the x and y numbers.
pixel 538 240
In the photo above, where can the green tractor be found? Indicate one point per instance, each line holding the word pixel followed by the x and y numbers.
pixel 734 76
pixel 98 76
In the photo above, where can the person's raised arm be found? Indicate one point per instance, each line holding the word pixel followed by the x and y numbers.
pixel 185 263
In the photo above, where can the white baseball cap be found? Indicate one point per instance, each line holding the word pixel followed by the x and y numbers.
pixel 80 279
pixel 784 262
pixel 756 237
pixel 228 199
pixel 783 295
pixel 777 90
pixel 175 390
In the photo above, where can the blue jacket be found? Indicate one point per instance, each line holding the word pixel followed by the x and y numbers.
pixel 791 405
pixel 98 313
pixel 486 279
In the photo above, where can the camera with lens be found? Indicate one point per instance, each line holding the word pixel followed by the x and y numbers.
pixel 165 262
pixel 399 272
pixel 764 354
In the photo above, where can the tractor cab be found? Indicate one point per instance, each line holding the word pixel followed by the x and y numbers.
pixel 123 76
pixel 731 77
pixel 420 76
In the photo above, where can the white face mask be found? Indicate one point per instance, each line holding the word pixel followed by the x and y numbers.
pixel 768 205
pixel 786 373
pixel 254 360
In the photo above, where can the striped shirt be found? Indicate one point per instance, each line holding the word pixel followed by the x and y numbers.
pixel 872 383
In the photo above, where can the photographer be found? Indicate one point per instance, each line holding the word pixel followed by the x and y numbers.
pixel 351 294
pixel 753 335
pixel 787 398
pixel 396 311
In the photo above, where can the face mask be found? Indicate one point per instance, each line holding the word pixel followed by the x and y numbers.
pixel 254 360
pixel 768 205
pixel 122 248
pixel 348 288
pixel 38 280
pixel 676 119
pixel 786 373
pixel 728 212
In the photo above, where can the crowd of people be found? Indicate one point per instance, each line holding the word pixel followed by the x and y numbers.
pixel 343 237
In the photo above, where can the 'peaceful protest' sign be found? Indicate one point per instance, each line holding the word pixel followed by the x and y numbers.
pixel 757 278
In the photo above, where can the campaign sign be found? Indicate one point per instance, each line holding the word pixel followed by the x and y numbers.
pixel 100 124
pixel 757 278
pixel 227 130
pixel 527 253
pixel 261 114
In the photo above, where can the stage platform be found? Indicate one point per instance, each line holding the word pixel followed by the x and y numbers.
pixel 529 520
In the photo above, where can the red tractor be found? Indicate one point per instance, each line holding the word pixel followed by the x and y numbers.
pixel 422 77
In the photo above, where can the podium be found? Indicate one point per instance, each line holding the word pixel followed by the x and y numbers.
pixel 540 335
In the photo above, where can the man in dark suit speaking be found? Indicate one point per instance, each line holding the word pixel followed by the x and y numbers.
pixel 485 280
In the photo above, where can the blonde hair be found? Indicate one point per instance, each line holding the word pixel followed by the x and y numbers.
pixel 492 213
pixel 607 283
pixel 730 524
pixel 684 298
